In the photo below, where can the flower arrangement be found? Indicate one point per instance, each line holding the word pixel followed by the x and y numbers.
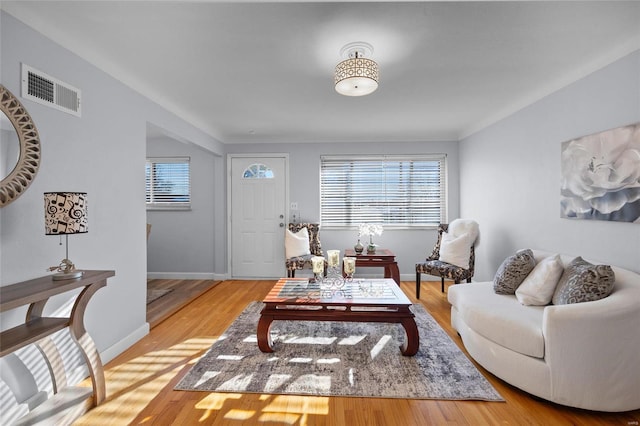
pixel 370 229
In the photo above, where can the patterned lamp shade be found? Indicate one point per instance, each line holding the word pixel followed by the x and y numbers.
pixel 356 76
pixel 65 213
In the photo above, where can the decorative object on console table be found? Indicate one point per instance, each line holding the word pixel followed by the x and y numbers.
pixel 358 248
pixel 65 213
pixel 370 229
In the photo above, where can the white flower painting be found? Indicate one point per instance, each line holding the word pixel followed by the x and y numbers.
pixel 601 176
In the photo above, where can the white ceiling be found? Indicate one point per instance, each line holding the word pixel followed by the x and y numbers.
pixel 263 71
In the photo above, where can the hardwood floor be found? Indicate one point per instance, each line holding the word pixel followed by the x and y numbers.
pixel 182 293
pixel 140 381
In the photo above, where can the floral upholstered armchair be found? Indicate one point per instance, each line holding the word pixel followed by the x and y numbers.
pixel 303 261
pixel 436 264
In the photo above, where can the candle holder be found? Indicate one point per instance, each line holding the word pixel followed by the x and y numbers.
pixel 334 279
pixel 349 268
pixel 317 263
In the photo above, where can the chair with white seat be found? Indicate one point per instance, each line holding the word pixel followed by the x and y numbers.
pixel 302 242
pixel 453 256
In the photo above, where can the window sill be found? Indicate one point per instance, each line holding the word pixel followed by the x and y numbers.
pixel 169 208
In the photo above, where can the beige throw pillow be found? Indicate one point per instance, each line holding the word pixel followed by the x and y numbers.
pixel 455 250
pixel 296 244
pixel 537 289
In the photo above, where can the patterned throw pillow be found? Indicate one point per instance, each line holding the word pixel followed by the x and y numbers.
pixel 583 282
pixel 513 271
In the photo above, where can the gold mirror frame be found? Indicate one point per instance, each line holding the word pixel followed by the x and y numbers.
pixel 17 182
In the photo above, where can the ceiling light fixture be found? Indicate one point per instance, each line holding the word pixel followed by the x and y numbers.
pixel 357 75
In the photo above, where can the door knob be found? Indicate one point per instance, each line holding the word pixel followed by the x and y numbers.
pixel 281 216
pixel 281 225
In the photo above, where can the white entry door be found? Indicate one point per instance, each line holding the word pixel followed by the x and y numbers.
pixel 258 211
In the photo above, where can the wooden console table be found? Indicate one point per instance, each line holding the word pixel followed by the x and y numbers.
pixel 382 257
pixel 36 293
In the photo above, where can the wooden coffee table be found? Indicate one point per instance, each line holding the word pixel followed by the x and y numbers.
pixel 382 257
pixel 362 300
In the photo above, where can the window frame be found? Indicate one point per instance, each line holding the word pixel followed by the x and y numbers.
pixel 353 223
pixel 167 205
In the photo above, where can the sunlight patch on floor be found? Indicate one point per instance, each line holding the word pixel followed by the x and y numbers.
pixel 140 380
pixel 278 409
pixel 231 357
pixel 279 418
pixel 352 340
pixel 215 401
pixel 237 414
pixel 380 345
pixel 310 340
pixel 301 360
pixel 328 361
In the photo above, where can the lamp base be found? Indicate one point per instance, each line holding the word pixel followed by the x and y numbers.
pixel 67 275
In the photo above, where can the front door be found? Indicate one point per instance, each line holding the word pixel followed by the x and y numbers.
pixel 258 210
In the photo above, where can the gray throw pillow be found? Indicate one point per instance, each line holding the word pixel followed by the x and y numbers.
pixel 583 282
pixel 513 271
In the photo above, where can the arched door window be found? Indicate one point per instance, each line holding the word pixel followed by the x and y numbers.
pixel 257 171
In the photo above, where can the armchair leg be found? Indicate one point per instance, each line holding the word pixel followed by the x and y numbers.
pixel 442 284
pixel 291 273
pixel 417 285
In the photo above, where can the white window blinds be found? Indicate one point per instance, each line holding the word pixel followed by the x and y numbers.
pixel 396 191
pixel 168 183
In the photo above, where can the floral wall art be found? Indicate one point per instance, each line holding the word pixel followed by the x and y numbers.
pixel 601 176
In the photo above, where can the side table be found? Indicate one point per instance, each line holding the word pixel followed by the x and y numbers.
pixel 382 257
pixel 36 293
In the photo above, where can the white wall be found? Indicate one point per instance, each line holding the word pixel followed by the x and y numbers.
pixel 304 169
pixel 510 173
pixel 102 153
pixel 181 243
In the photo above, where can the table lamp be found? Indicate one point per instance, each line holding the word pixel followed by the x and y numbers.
pixel 65 213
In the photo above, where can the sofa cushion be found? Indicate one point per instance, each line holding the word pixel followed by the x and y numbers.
pixel 583 282
pixel 500 318
pixel 513 270
pixel 296 244
pixel 538 287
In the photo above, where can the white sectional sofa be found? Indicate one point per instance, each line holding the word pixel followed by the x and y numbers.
pixel 584 355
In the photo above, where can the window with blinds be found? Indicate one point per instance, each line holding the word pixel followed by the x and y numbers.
pixel 168 183
pixel 395 191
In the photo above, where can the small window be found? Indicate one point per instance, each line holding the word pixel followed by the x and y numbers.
pixel 257 171
pixel 168 183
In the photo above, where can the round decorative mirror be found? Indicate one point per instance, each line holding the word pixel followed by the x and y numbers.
pixel 19 148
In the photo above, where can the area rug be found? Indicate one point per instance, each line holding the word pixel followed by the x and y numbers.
pixel 156 293
pixel 338 359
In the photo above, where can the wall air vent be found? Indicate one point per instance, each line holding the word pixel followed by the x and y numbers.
pixel 44 89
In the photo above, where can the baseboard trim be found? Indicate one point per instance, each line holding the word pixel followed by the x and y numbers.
pixel 184 276
pixel 123 344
